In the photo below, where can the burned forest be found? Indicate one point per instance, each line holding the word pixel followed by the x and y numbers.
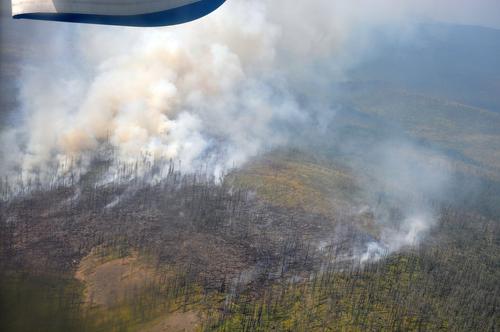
pixel 251 166
pixel 212 247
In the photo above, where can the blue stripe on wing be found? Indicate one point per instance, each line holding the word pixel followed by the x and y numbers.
pixel 173 16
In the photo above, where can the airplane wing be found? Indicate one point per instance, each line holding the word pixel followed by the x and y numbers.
pixel 115 12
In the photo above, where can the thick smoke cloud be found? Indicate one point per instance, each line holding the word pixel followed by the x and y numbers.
pixel 222 84
pixel 215 92
pixel 184 93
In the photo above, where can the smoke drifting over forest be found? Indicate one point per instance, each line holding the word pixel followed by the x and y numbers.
pixel 215 92
pixel 229 82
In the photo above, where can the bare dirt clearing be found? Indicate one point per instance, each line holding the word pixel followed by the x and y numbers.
pixel 110 281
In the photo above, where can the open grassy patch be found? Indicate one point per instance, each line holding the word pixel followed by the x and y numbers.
pixel 300 182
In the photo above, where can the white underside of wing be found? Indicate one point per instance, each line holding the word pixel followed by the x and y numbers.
pixel 96 7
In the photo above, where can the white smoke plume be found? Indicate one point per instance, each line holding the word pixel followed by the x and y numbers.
pixel 175 93
pixel 412 178
pixel 218 86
